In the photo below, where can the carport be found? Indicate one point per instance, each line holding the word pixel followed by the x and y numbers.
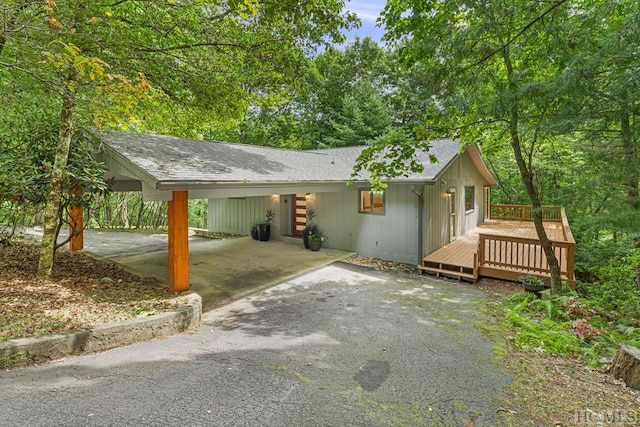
pixel 175 170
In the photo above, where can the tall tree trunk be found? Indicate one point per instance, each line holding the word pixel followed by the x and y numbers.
pixel 526 174
pixel 53 205
pixel 124 211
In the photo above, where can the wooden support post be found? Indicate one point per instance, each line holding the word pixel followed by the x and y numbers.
pixel 76 223
pixel 178 242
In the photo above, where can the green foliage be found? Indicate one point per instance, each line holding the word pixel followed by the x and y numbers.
pixel 590 324
pixel 616 293
pixel 198 213
pixel 23 194
pixel 13 361
pixel 315 235
pixel 533 280
pixel 130 211
pixel 392 155
pixel 340 98
pixel 365 115
pixel 548 92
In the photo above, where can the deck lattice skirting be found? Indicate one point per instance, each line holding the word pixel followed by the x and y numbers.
pixel 506 247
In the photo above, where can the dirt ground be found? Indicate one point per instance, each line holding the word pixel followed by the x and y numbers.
pixel 83 291
pixel 547 390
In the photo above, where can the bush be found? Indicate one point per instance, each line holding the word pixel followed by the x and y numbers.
pixel 591 326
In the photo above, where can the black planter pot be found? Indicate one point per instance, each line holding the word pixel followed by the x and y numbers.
pixel 315 245
pixel 254 233
pixel 533 288
pixel 264 230
pixel 305 239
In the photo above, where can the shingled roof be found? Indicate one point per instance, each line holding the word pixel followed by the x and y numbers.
pixel 167 160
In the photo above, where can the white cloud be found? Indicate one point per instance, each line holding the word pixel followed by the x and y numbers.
pixel 367 10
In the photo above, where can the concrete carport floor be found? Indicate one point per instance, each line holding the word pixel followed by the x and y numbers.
pixel 220 270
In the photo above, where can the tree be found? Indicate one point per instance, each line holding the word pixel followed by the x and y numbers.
pixel 196 53
pixel 493 69
pixel 365 115
pixel 606 103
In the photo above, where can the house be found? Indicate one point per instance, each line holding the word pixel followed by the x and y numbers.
pixel 412 217
pixel 415 215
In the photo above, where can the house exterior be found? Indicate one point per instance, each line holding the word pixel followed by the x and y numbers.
pixel 441 219
pixel 413 216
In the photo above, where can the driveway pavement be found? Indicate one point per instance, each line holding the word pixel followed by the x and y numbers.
pixel 337 346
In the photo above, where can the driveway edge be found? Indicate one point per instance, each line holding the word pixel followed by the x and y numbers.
pixel 106 336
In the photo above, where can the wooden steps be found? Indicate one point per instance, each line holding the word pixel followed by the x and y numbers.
pixel 456 272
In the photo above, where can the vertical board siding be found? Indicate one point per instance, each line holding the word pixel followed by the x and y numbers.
pixel 236 216
pixel 392 236
pixel 459 174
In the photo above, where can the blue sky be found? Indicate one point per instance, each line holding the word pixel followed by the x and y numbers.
pixel 367 11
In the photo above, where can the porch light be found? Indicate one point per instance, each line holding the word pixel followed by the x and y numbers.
pixel 451 190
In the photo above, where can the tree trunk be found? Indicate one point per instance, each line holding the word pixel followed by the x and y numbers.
pixel 140 214
pixel 124 211
pixel 52 210
pixel 626 365
pixel 527 177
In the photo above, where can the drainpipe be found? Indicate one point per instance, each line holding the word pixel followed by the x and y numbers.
pixel 420 200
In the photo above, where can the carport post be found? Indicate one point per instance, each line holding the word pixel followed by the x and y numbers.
pixel 76 223
pixel 178 242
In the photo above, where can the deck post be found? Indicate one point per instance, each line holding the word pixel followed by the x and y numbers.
pixel 571 277
pixel 480 256
pixel 76 223
pixel 178 242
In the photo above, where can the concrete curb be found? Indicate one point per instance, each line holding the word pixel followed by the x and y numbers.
pixel 106 336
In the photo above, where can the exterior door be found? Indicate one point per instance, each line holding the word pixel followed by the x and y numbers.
pixel 299 213
pixel 452 215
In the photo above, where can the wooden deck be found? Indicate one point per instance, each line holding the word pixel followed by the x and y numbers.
pixel 504 249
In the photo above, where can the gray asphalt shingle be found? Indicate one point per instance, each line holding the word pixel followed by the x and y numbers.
pixel 172 159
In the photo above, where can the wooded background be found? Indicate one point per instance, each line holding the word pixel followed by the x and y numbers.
pixel 548 89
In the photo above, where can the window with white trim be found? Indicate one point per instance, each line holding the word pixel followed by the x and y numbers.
pixel 469 198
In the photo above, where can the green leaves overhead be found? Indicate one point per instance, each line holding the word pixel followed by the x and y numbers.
pixel 148 65
pixel 555 82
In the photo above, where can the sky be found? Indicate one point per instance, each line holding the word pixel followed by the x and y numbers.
pixel 368 11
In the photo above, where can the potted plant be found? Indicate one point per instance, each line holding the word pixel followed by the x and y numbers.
pixel 315 240
pixel 309 228
pixel 254 231
pixel 532 283
pixel 264 229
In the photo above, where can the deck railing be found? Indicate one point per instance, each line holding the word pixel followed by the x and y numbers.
pixel 509 257
pixel 524 213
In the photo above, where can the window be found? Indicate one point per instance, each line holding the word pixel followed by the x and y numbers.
pixel 371 201
pixel 469 198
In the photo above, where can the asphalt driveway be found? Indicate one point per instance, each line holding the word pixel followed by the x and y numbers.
pixel 337 346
